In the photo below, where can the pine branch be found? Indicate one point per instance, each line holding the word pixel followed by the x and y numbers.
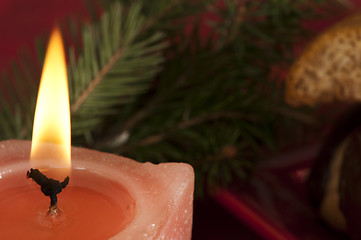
pixel 186 119
pixel 126 63
pixel 153 139
pixel 93 84
pixel 15 111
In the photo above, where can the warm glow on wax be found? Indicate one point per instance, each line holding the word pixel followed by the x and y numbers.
pixel 52 114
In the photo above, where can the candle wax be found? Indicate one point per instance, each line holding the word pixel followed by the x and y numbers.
pixel 88 203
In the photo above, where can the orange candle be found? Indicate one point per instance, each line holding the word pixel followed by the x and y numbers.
pixel 108 197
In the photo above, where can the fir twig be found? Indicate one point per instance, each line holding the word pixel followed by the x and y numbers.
pixel 92 85
pixel 187 124
pixel 126 62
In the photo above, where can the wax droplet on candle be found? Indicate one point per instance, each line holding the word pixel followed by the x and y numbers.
pixel 51 221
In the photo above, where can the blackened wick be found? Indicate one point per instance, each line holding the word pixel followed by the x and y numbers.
pixel 50 187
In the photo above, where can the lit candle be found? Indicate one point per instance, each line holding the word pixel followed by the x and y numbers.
pixel 108 197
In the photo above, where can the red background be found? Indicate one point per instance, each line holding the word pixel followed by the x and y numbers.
pixel 21 21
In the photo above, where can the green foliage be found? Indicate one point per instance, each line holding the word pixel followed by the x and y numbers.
pixel 116 66
pixel 141 86
pixel 16 88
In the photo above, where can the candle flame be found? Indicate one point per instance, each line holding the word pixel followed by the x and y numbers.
pixel 50 147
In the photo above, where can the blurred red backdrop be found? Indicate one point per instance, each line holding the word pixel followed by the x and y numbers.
pixel 22 21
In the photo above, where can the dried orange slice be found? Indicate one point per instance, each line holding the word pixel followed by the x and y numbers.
pixel 329 69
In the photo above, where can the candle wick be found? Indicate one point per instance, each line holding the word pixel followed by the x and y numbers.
pixel 49 187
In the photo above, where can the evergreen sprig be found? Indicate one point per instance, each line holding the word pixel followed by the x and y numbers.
pixel 17 99
pixel 208 118
pixel 116 66
pixel 143 87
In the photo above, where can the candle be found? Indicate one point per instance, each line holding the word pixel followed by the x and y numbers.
pixel 108 197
